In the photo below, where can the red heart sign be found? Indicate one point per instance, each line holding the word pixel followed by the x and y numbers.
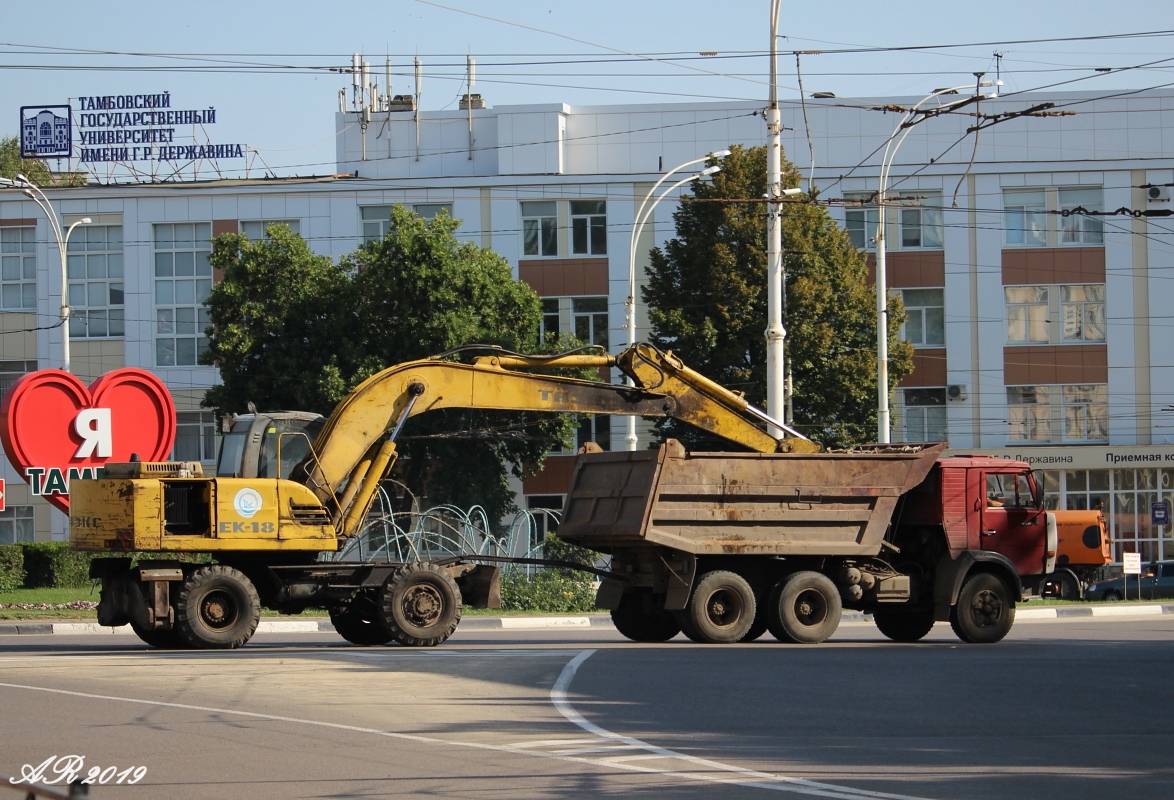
pixel 54 428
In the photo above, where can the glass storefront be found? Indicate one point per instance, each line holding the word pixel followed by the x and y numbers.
pixel 1126 497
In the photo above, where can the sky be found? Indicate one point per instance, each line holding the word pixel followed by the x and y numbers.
pixel 273 70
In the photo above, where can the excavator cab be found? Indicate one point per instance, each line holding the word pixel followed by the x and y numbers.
pixel 267 445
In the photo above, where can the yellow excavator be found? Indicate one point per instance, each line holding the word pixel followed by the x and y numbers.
pixel 290 486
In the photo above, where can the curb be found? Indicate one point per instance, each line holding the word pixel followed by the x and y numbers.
pixel 479 623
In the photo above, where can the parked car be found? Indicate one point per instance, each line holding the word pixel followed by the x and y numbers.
pixel 1156 581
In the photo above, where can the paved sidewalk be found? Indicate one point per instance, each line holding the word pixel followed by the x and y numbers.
pixel 488 623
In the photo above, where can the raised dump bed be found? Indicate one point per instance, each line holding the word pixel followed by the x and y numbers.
pixel 827 504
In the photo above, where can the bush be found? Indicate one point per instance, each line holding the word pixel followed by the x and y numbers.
pixel 11 567
pixel 52 565
pixel 547 591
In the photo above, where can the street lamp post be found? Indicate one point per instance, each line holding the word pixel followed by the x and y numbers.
pixel 882 299
pixel 642 215
pixel 34 193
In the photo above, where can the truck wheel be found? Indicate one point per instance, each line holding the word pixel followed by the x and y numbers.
pixel 164 640
pixel 903 626
pixel 358 623
pixel 217 608
pixel 984 612
pixel 641 624
pixel 758 627
pixel 804 608
pixel 721 609
pixel 420 605
pixel 1067 586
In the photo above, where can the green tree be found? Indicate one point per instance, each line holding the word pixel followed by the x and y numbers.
pixel 11 165
pixel 706 294
pixel 293 330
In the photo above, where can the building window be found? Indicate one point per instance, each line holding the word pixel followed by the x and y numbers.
pixel 12 371
pixel 195 436
pixel 1080 228
pixel 550 328
pixel 921 226
pixel 16 524
pixel 593 428
pixel 376 222
pixel 95 282
pixel 1027 313
pixel 183 281
pixel 1086 413
pixel 860 220
pixel 590 320
pixel 1079 412
pixel 431 210
pixel 1027 218
pixel 924 415
pixel 925 321
pixel 1029 413
pixel 1039 315
pixel 1082 309
pixel 18 268
pixel 589 227
pixel 540 228
pixel 259 229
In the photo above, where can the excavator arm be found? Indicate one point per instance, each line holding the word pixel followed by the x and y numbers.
pixel 356 448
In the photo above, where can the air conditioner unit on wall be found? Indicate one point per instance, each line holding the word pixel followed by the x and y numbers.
pixel 1158 194
pixel 956 392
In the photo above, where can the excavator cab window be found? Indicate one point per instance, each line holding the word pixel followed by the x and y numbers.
pixel 267 445
pixel 284 444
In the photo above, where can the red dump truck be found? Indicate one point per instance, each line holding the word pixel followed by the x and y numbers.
pixel 725 546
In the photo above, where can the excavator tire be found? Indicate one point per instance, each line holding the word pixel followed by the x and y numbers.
pixel 643 624
pixel 420 605
pixel 903 626
pixel 217 608
pixel 358 622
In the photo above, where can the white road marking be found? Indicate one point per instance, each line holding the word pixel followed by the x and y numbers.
pixel 689 767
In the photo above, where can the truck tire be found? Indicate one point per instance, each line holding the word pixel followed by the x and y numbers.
pixel 420 605
pixel 721 609
pixel 164 640
pixel 358 623
pixel 217 608
pixel 903 626
pixel 1067 585
pixel 640 624
pixel 758 627
pixel 984 612
pixel 804 608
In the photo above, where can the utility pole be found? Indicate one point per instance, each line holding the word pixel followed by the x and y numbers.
pixel 776 334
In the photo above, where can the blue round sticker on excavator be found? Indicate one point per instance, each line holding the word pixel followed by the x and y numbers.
pixel 247 503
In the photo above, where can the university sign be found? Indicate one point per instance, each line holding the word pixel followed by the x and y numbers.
pixel 56 429
pixel 120 128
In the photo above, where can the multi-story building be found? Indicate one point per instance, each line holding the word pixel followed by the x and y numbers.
pixel 1036 307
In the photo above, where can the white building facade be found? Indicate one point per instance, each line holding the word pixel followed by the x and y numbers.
pixel 1040 333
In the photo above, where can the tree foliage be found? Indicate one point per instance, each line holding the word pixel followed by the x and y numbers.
pixel 294 330
pixel 11 165
pixel 706 293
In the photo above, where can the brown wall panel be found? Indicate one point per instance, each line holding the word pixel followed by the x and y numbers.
pixel 17 223
pixel 554 478
pixel 565 277
pixel 1033 266
pixel 929 368
pixel 912 268
pixel 1051 364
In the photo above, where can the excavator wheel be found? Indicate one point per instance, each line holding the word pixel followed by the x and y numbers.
pixel 358 622
pixel 164 640
pixel 903 626
pixel 420 605
pixel 217 608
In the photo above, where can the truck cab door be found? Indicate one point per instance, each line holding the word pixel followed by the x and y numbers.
pixel 1013 522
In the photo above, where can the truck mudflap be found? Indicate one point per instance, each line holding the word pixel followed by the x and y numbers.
pixel 950 574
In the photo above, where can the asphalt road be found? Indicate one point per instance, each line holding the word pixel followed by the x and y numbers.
pixel 1066 709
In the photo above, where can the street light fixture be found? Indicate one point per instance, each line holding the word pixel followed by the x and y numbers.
pixel 642 216
pixel 34 193
pixel 882 292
